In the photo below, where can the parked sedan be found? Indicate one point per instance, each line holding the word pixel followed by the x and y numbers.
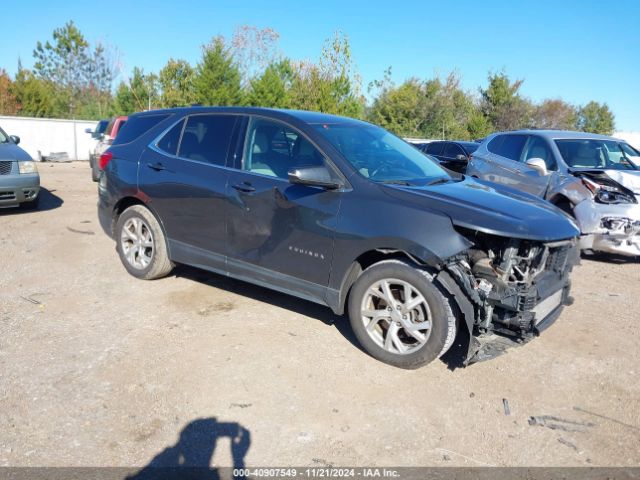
pixel 19 178
pixel 453 154
pixel 594 178
pixel 342 213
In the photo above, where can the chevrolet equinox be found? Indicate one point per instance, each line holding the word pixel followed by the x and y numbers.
pixel 343 213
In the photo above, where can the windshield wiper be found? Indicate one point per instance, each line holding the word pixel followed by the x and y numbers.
pixel 438 181
pixel 406 183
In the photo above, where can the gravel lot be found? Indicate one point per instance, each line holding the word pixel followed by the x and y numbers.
pixel 100 369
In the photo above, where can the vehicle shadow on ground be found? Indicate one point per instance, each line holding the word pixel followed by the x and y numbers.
pixel 48 201
pixel 277 299
pixel 454 358
pixel 610 258
pixel 190 457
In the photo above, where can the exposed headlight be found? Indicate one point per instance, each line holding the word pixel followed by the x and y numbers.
pixel 608 194
pixel 27 167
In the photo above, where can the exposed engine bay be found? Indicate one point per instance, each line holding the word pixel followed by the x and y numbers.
pixel 508 290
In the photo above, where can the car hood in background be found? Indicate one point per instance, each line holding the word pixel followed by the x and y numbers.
pixel 11 151
pixel 494 209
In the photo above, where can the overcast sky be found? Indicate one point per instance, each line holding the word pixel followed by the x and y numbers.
pixel 575 50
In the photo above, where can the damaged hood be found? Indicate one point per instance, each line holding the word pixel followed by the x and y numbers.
pixel 629 179
pixel 493 209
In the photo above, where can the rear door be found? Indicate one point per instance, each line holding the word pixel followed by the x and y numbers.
pixel 184 174
pixel 280 233
pixel 501 164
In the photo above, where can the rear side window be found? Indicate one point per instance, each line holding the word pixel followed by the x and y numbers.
pixel 136 126
pixel 169 143
pixel 206 138
pixel 435 148
pixel 511 146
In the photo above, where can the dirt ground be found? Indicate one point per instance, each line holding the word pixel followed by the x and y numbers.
pixel 100 369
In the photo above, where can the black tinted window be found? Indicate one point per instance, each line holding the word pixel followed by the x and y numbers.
pixel 435 148
pixel 452 150
pixel 494 145
pixel 470 147
pixel 169 143
pixel 206 138
pixel 511 146
pixel 136 126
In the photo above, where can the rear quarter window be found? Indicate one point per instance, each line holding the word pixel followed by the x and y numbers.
pixel 136 126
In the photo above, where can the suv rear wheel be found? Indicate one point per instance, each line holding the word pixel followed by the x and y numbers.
pixel 141 244
pixel 400 316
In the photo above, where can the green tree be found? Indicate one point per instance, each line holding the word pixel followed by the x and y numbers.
pixel 502 104
pixel 138 94
pixel 217 80
pixel 401 109
pixel 555 114
pixel 35 97
pixel 176 82
pixel 8 101
pixel 271 89
pixel 332 85
pixel 595 117
pixel 78 73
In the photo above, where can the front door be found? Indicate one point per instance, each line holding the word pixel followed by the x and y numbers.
pixel 280 233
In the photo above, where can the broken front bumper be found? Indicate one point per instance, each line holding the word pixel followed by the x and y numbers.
pixel 609 228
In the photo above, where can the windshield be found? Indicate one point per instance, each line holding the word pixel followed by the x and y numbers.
pixel 380 155
pixel 4 138
pixel 590 153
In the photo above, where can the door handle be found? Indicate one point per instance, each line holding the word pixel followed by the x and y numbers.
pixel 244 187
pixel 156 166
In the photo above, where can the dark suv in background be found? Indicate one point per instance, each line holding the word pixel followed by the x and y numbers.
pixel 454 155
pixel 342 213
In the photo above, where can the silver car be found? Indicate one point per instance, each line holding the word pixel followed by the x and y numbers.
pixel 19 178
pixel 594 178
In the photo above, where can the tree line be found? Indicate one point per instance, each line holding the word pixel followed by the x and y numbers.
pixel 71 78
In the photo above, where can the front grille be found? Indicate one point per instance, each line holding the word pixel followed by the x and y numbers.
pixel 5 168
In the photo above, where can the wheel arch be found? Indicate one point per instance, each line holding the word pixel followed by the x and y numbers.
pixel 129 201
pixel 364 261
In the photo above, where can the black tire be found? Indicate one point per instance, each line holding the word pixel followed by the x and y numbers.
pixel 443 321
pixel 95 174
pixel 160 265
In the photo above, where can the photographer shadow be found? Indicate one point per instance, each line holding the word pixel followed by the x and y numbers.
pixel 190 458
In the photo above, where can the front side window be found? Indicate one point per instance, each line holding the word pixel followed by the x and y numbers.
pixel 537 147
pixel 206 138
pixel 435 148
pixel 380 155
pixel 273 148
pixel 4 138
pixel 592 153
pixel 452 151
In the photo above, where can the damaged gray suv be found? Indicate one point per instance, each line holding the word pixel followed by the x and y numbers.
pixel 593 178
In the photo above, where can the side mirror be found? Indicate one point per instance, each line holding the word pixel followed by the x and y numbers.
pixel 313 176
pixel 15 139
pixel 88 130
pixel 461 158
pixel 539 165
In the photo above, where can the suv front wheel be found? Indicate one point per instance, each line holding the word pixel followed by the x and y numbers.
pixel 399 316
pixel 141 244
